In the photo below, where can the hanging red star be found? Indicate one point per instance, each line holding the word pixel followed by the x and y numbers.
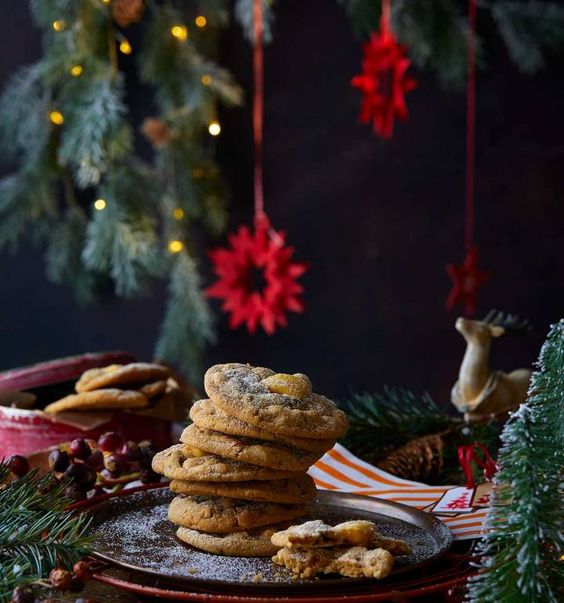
pixel 262 255
pixel 466 280
pixel 384 82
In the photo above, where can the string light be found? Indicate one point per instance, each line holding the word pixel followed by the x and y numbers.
pixel 125 47
pixel 58 25
pixel 180 32
pixel 106 1
pixel 99 204
pixel 175 246
pixel 56 117
pixel 206 79
pixel 178 213
pixel 76 70
pixel 201 21
pixel 214 128
pixel 197 173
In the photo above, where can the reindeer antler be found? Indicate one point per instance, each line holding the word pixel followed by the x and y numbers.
pixel 510 322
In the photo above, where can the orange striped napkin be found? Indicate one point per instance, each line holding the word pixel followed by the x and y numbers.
pixel 462 509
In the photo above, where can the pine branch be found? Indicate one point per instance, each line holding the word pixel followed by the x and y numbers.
pixel 527 29
pixel 95 133
pixel 36 533
pixel 524 540
pixel 63 255
pixel 379 422
pixel 188 324
pixel 244 14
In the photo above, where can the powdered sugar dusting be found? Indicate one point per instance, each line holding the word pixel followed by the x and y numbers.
pixel 134 531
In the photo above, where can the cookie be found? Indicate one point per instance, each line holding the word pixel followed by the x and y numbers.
pixel 354 562
pixel 117 375
pixel 250 543
pixel 100 399
pixel 207 415
pixel 241 390
pixel 314 534
pixel 154 389
pixel 297 491
pixel 247 450
pixel 180 462
pixel 225 515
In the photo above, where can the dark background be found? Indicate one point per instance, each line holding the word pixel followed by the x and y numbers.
pixel 376 220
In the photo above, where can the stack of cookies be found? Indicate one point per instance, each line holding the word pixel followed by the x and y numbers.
pixel 240 470
pixel 354 548
pixel 138 385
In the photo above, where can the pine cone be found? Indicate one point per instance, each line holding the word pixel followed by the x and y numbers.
pixel 156 131
pixel 420 459
pixel 126 12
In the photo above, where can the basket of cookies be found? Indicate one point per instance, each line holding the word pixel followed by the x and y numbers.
pixel 86 396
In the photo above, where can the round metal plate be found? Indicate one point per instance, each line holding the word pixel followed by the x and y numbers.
pixel 133 532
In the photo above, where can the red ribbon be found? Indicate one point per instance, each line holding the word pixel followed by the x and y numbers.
pixel 467 454
pixel 258 108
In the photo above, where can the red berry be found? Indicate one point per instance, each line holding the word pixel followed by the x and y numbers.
pixel 148 476
pixel 110 441
pixel 60 579
pixel 59 460
pixel 18 465
pixel 77 472
pixel 79 449
pixel 130 451
pixel 96 460
pixel 81 569
pixel 115 464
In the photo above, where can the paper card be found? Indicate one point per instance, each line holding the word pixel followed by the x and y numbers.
pixel 481 496
pixel 455 500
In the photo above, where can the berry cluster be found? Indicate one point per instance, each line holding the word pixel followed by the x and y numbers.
pixel 110 462
pixel 60 579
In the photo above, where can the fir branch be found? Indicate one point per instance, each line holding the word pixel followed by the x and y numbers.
pixel 63 255
pixel 95 132
pixel 524 541
pixel 36 532
pixel 379 422
pixel 527 29
pixel 188 324
pixel 244 14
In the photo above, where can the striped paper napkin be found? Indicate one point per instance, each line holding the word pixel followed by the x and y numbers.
pixel 462 509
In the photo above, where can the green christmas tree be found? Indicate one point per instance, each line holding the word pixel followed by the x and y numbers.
pixel 521 551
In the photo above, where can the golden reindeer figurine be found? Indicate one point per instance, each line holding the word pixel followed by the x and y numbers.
pixel 479 391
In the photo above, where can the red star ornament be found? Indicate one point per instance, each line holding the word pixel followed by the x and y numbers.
pixel 261 254
pixel 466 281
pixel 384 82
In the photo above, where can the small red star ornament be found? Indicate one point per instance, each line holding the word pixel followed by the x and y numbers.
pixel 251 256
pixel 466 281
pixel 383 82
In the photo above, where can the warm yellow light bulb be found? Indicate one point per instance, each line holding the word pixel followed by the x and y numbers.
pixel 56 117
pixel 197 173
pixel 214 128
pixel 106 1
pixel 99 204
pixel 178 213
pixel 201 21
pixel 58 25
pixel 180 32
pixel 175 246
pixel 125 47
pixel 206 79
pixel 76 70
